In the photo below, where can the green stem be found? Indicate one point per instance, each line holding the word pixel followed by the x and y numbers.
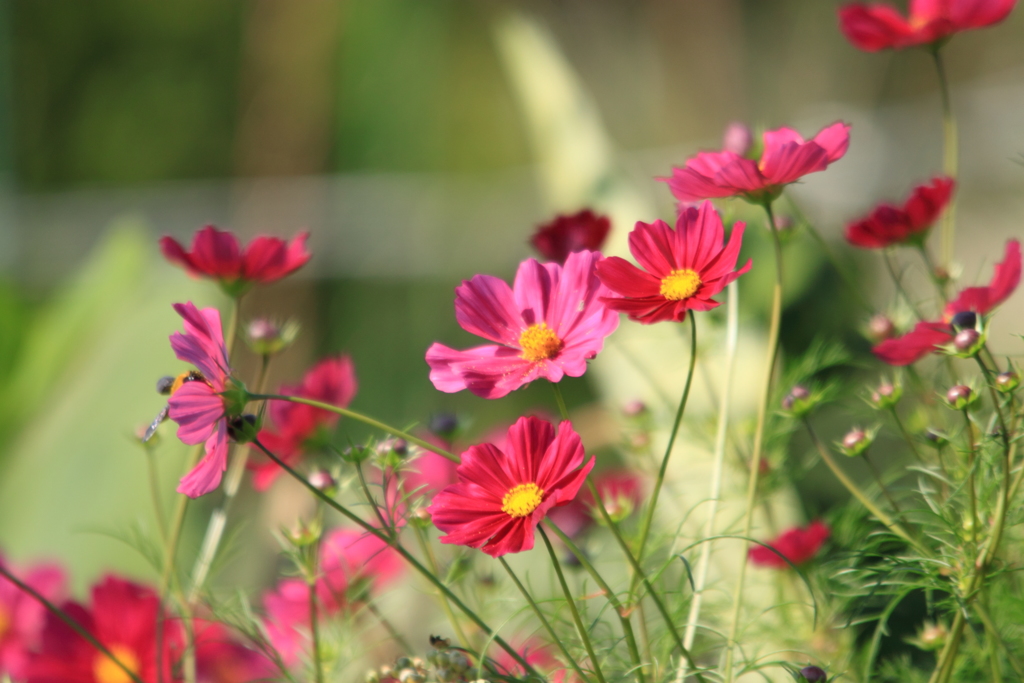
pixel 345 412
pixel 972 493
pixel 755 463
pixel 445 605
pixel 406 555
pixel 881 484
pixel 314 628
pixel 898 282
pixel 543 620
pixel 67 619
pixel 389 627
pixel 560 400
pixel 580 628
pixel 949 157
pixel 906 436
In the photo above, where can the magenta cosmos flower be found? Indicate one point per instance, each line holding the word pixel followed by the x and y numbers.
pixel 798 545
pixel 548 324
pixel 683 268
pixel 568 233
pixel 877 27
pixel 216 254
pixel 785 159
pixel 928 335
pixel 298 426
pixel 502 495
pixel 887 224
pixel 197 406
pixel 22 618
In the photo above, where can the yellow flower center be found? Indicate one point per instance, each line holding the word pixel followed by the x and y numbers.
pixel 680 284
pixel 539 342
pixel 522 500
pixel 5 622
pixel 106 670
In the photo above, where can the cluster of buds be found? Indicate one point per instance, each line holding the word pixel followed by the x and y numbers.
pixel 443 664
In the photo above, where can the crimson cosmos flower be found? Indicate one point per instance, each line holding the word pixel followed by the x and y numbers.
pixel 548 324
pixel 876 27
pixel 887 224
pixel 21 617
pixel 785 159
pixel 683 268
pixel 565 234
pixel 123 617
pixel 502 495
pixel 927 335
pixel 221 658
pixel 216 254
pixel 798 545
pixel 332 380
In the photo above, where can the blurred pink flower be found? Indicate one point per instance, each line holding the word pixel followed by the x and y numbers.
pixel 538 655
pixel 22 617
pixel 887 224
pixel 547 325
pixel 877 27
pixel 221 658
pixel 786 158
pixel 798 545
pixel 583 231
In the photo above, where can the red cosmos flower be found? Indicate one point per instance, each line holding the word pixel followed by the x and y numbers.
pixel 502 495
pixel 197 406
pixel 548 324
pixel 929 334
pixel 22 618
pixel 123 617
pixel 332 380
pixel 565 234
pixel 217 255
pixel 887 224
pixel 786 158
pixel 220 658
pixel 798 545
pixel 877 27
pixel 684 267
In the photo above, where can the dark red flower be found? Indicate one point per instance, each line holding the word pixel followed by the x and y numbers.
pixel 221 658
pixel 333 381
pixel 877 27
pixel 798 545
pixel 565 234
pixel 21 617
pixel 216 254
pixel 887 224
pixel 123 617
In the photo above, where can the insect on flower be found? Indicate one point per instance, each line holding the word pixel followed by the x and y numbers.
pixel 166 386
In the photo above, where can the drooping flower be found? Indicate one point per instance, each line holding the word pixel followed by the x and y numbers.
pixel 785 159
pixel 198 406
pixel 565 234
pixel 874 27
pixel 502 495
pixel 888 224
pixel 333 381
pixel 216 254
pixel 683 268
pixel 927 335
pixel 123 617
pixel 798 545
pixel 547 325
pixel 22 617
pixel 221 658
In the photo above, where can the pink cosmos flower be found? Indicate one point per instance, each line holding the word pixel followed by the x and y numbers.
pixel 22 618
pixel 221 658
pixel 332 380
pixel 876 27
pixel 786 158
pixel 927 335
pixel 548 324
pixel 798 545
pixel 217 255
pixel 197 406
pixel 565 234
pixel 538 655
pixel 887 224
pixel 502 495
pixel 684 267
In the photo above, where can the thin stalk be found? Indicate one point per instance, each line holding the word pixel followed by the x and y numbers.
pixel 370 499
pixel 851 282
pixel 154 492
pixel 560 400
pixel 972 455
pixel 755 463
pixel 406 555
pixel 67 619
pixel 881 484
pixel 389 627
pixel 721 434
pixel 993 632
pixel 580 628
pixel 949 157
pixel 314 628
pixel 428 553
pixel 933 274
pixel 898 282
pixel 544 620
pixel 906 436
pixel 345 412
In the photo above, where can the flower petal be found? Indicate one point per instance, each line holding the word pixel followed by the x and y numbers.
pixel 486 307
pixel 197 409
pixel 206 475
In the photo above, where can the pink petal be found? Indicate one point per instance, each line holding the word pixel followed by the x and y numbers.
pixel 528 441
pixel 652 246
pixel 967 14
pixel 741 176
pixel 622 277
pixel 914 345
pixel 487 371
pixel 197 409
pixel 793 161
pixel 534 287
pixel 874 27
pixel 215 253
pixel 561 454
pixel 834 139
pixel 486 307
pixel 206 475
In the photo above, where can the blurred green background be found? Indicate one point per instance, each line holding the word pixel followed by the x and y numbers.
pixel 391 130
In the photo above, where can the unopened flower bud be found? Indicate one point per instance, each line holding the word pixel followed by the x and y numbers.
pixel 813 674
pixel 634 408
pixel 322 480
pixel 964 320
pixel 783 224
pixel 738 138
pixel 932 636
pixel 966 341
pixel 886 395
pixel 959 396
pixel 798 400
pixel 856 442
pixel 880 328
pixel 243 428
pixel 444 425
pixel 266 337
pixel 941 274
pixel 1007 381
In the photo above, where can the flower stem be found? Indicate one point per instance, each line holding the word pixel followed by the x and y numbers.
pixel 898 282
pixel 365 419
pixel 67 619
pixel 560 400
pixel 580 628
pixel 421 538
pixel 406 555
pixel 774 326
pixel 314 629
pixel 543 620
pixel 906 436
pixel 949 157
pixel 971 458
